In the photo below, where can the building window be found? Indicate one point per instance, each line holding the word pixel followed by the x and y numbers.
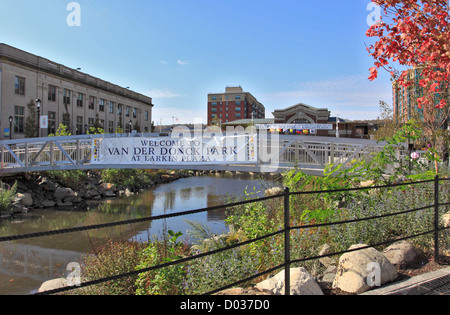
pixel 19 117
pixel 127 111
pixel 20 86
pixel 79 125
pixel 237 103
pixel 214 98
pixel 51 123
pixel 101 105
pixel 238 97
pixel 92 101
pixel 146 115
pixel 66 97
pixel 91 122
pixel 214 110
pixel 111 108
pixel 134 112
pixel 111 126
pixel 80 100
pixel 237 115
pixel 214 104
pixel 237 109
pixel 119 109
pixel 52 93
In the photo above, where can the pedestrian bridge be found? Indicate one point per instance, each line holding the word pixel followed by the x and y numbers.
pixel 268 154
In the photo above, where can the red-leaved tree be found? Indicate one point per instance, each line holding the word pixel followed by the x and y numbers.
pixel 415 34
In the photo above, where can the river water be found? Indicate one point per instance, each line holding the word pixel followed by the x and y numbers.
pixel 26 264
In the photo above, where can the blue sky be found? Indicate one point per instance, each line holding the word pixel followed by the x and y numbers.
pixel 177 51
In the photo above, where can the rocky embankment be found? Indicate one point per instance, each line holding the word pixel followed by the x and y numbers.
pixel 36 191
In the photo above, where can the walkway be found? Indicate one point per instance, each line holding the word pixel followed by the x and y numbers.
pixel 274 154
pixel 432 283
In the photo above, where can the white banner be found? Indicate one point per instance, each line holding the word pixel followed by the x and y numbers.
pixel 43 120
pixel 166 150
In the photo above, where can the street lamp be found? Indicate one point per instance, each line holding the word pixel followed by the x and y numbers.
pixel 10 126
pixel 38 105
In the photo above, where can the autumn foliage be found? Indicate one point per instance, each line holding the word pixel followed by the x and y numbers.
pixel 415 34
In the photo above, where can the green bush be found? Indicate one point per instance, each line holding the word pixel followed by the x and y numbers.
pixel 74 178
pixel 163 281
pixel 133 178
pixel 112 259
pixel 7 196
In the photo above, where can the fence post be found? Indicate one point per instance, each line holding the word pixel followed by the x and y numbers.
pixel 436 219
pixel 287 244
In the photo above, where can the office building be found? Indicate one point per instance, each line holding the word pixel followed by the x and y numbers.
pixel 68 96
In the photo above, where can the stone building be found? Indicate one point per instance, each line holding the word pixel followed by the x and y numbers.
pixel 302 114
pixel 67 96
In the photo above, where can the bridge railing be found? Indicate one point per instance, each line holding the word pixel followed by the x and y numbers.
pixel 75 152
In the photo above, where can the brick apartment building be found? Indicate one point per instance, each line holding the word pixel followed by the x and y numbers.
pixel 232 105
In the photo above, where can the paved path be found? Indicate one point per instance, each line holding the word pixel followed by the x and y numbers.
pixel 432 283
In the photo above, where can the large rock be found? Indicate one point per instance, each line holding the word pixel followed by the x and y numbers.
pixel 274 191
pixel 53 285
pixel 61 193
pixel 356 267
pixel 48 203
pixel 25 199
pixel 302 283
pixel 92 194
pixel 403 255
pixel 326 261
pixel 446 220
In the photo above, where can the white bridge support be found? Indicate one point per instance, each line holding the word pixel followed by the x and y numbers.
pixel 309 153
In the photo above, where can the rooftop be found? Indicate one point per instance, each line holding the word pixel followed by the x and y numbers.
pixel 12 54
pixel 242 122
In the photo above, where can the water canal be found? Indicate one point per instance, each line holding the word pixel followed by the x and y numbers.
pixel 26 264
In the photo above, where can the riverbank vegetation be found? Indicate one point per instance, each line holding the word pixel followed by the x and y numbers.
pixel 257 219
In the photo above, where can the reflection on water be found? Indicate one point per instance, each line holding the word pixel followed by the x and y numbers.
pixel 25 264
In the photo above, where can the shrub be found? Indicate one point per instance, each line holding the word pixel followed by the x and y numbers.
pixel 133 178
pixel 112 259
pixel 163 281
pixel 7 196
pixel 74 178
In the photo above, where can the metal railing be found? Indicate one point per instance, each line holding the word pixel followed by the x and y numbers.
pixel 286 232
pixel 75 152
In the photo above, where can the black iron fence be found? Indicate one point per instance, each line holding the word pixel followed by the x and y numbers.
pixel 285 231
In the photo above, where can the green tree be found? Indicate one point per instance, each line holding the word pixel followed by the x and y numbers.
pixel 31 123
